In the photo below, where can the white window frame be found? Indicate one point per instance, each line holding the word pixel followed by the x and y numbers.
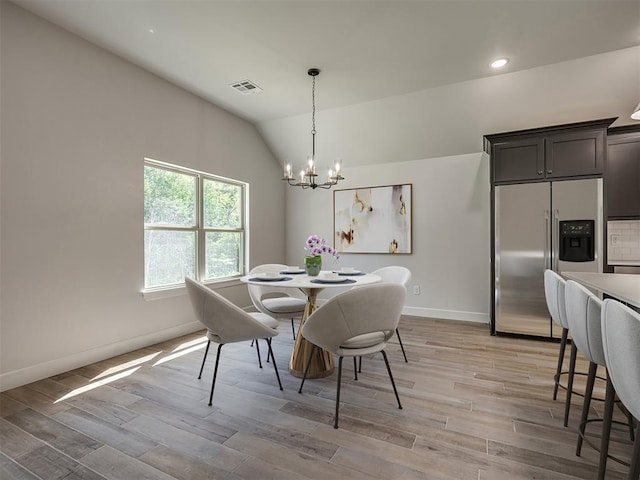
pixel 199 229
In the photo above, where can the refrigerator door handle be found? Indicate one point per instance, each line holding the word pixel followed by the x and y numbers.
pixel 555 241
pixel 547 236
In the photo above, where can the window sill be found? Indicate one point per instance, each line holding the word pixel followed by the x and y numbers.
pixel 179 290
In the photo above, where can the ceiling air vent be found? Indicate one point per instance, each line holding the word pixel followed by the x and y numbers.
pixel 246 87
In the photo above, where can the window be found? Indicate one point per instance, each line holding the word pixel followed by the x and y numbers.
pixel 194 225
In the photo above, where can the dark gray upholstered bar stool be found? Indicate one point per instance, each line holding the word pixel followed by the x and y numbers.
pixel 621 342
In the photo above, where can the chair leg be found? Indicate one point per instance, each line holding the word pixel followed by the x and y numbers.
pixel 215 373
pixel 572 369
pixel 274 361
pixel 258 350
pixel 306 369
pixel 335 420
pixel 355 368
pixel 206 350
pixel 293 329
pixel 401 346
pixel 634 471
pixel 591 380
pixel 606 428
pixel 563 345
pixel 630 420
pixel 360 365
pixel 395 390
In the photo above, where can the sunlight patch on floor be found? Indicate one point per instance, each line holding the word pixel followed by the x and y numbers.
pixel 126 365
pixel 97 384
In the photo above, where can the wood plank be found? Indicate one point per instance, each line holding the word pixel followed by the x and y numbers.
pixel 51 464
pixel 186 442
pixel 304 464
pixel 115 465
pixel 15 441
pixel 182 466
pixel 69 441
pixel 106 433
pixel 10 470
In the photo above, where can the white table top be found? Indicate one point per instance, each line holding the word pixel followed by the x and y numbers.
pixel 305 281
pixel 624 287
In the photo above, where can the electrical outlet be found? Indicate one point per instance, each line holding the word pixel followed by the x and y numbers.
pixel 416 289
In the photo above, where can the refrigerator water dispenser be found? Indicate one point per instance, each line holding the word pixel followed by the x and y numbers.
pixel 577 240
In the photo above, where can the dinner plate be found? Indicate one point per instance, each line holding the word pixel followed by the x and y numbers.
pixel 278 278
pixel 355 273
pixel 293 272
pixel 332 280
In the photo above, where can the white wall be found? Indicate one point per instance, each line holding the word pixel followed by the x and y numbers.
pixel 451 231
pixel 76 124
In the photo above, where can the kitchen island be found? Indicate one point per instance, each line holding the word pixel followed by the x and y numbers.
pixel 621 286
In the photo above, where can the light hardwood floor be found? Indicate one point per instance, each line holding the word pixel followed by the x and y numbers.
pixel 475 407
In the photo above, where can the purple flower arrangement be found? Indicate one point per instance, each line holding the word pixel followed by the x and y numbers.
pixel 317 246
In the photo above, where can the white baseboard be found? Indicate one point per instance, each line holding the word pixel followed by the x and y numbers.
pixel 54 367
pixel 444 314
pixel 447 314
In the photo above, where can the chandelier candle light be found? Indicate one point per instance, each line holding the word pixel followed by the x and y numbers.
pixel 308 175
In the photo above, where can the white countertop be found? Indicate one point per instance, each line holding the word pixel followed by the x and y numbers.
pixel 623 286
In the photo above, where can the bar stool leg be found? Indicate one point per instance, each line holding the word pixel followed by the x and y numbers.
pixel 572 369
pixel 591 380
pixel 634 471
pixel 606 429
pixel 563 345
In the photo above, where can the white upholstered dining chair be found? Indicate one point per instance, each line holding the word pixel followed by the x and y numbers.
pixel 399 276
pixel 228 323
pixel 355 323
pixel 277 303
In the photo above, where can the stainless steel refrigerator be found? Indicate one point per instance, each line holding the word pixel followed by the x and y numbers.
pixel 539 226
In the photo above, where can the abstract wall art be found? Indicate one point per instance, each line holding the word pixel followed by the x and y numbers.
pixel 373 219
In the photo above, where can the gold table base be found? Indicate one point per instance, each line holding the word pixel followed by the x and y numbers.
pixel 322 361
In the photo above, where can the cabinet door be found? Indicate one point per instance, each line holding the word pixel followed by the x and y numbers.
pixel 518 160
pixel 622 179
pixel 575 154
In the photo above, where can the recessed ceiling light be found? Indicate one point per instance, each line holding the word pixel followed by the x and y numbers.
pixel 501 62
pixel 151 30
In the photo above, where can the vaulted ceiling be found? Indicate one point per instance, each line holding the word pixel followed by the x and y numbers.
pixel 368 51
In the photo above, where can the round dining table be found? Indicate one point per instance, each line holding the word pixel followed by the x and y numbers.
pixel 322 361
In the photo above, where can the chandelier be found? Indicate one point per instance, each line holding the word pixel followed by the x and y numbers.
pixel 307 178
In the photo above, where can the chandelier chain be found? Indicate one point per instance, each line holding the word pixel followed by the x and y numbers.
pixel 313 106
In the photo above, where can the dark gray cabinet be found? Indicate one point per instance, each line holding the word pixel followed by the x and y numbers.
pixel 622 176
pixel 575 154
pixel 542 154
pixel 518 160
